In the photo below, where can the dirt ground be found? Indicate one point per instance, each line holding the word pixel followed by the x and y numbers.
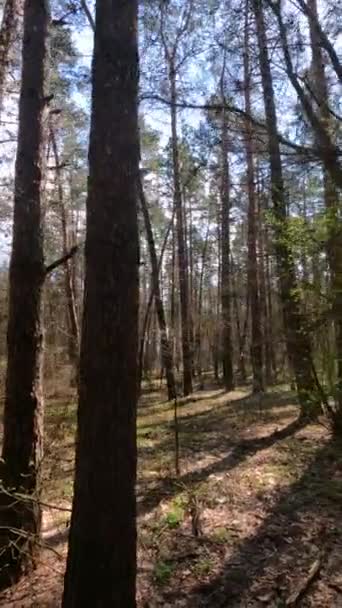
pixel 253 519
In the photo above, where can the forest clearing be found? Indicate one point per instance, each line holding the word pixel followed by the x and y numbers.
pixel 268 490
pixel 170 304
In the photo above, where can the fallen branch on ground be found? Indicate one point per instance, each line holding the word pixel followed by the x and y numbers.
pixel 305 585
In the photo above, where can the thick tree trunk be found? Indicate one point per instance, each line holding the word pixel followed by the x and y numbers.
pixel 240 324
pixel 166 351
pixel 182 257
pixel 252 263
pixel 227 347
pixel 271 335
pixel 216 348
pixel 264 310
pixel 297 339
pixel 332 202
pixel 173 303
pixel 23 416
pixel 8 32
pixel 101 565
pixel 198 335
pixel 241 336
pixel 73 329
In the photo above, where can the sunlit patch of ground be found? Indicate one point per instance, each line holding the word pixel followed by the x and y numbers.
pixel 266 491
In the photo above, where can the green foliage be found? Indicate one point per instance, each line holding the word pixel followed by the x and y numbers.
pixel 222 535
pixel 163 572
pixel 175 515
pixel 203 566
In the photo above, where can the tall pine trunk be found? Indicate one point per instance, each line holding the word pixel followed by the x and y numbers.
pixel 227 347
pixel 252 262
pixel 181 242
pixel 73 329
pixel 264 309
pixel 101 565
pixel 297 338
pixel 166 350
pixel 332 204
pixel 23 416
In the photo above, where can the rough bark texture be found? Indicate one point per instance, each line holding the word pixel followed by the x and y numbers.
pixel 23 416
pixel 182 257
pixel 101 565
pixel 331 200
pixel 166 351
pixel 297 339
pixel 227 348
pixel 198 335
pixel 252 263
pixel 265 300
pixel 8 31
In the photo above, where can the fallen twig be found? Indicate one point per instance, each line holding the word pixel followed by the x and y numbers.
pixel 305 585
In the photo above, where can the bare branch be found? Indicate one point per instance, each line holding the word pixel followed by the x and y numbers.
pixel 88 14
pixel 310 152
pixel 325 42
pixel 60 261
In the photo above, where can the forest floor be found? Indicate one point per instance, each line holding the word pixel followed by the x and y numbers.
pixel 263 493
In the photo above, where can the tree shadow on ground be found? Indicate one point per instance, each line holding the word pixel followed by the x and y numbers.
pixel 170 487
pixel 148 408
pixel 250 404
pixel 209 434
pixel 302 526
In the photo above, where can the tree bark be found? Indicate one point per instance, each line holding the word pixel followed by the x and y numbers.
pixel 182 257
pixel 241 333
pixel 252 262
pixel 166 351
pixel 264 299
pixel 332 204
pixel 198 335
pixel 321 37
pixel 227 347
pixel 101 565
pixel 23 415
pixel 297 338
pixel 73 329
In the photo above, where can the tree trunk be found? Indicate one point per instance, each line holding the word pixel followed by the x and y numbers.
pixel 145 323
pixel 227 348
pixel 270 307
pixel 252 263
pixel 8 31
pixel 101 565
pixel 198 335
pixel 166 351
pixel 332 204
pixel 264 311
pixel 73 330
pixel 326 148
pixel 182 257
pixel 241 336
pixel 23 416
pixel 297 339
pixel 323 39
